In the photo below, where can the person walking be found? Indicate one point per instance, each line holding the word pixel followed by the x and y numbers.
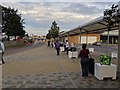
pixel 2 49
pixel 66 46
pixel 52 43
pixel 57 46
pixel 84 55
pixel 48 43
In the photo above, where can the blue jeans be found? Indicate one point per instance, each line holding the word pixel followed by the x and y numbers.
pixel 85 66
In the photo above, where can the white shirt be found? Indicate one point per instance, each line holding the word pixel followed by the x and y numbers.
pixel 67 44
pixel 2 46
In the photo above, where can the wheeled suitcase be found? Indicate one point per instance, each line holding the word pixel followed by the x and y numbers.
pixel 91 65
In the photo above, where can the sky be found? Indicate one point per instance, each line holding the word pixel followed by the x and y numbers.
pixel 68 15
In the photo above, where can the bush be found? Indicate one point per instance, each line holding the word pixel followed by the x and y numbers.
pixel 105 60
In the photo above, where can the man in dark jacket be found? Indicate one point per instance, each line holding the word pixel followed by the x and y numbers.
pixel 57 46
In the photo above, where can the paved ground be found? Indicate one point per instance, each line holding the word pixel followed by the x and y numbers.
pixel 41 68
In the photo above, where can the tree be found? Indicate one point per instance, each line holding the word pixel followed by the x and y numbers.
pixel 54 31
pixel 12 23
pixel 112 17
pixel 48 36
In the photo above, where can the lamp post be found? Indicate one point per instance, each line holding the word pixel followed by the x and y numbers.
pixel 80 37
pixel 119 44
pixel 0 23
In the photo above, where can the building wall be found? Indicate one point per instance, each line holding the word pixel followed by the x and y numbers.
pixel 91 38
pixel 73 39
pixel 93 35
pixel 112 39
pixel 66 38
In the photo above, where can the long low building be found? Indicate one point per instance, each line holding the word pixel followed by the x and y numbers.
pixel 89 32
pixel 85 38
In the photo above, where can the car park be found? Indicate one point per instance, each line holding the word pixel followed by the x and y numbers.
pixel 97 43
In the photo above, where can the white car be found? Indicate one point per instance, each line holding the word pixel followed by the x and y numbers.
pixel 97 43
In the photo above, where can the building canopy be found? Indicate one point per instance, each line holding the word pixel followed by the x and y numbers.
pixel 97 25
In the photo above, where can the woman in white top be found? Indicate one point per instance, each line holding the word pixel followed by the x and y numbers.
pixel 67 46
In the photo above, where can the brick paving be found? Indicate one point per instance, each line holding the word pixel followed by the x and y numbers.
pixel 42 68
pixel 56 80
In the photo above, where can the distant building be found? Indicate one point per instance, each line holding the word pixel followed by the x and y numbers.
pixel 89 38
pixel 113 37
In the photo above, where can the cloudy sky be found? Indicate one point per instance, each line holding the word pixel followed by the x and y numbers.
pixel 68 15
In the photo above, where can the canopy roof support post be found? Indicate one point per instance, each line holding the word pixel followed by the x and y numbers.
pixel 80 36
pixel 108 38
pixel 112 40
pixel 118 69
pixel 68 37
pixel 107 45
pixel 63 38
pixel 86 38
pixel 0 23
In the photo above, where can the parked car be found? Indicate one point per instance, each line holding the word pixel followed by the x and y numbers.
pixel 97 43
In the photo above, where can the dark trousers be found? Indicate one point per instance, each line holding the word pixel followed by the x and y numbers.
pixel 85 66
pixel 67 50
pixel 48 44
pixel 2 58
pixel 58 51
pixel 52 45
pixel 64 47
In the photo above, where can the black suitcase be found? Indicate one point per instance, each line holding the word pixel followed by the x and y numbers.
pixel 91 65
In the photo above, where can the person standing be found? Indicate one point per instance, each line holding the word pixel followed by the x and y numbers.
pixel 48 43
pixel 67 46
pixel 2 49
pixel 57 46
pixel 52 43
pixel 84 55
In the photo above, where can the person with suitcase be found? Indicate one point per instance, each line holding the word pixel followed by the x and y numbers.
pixel 84 55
